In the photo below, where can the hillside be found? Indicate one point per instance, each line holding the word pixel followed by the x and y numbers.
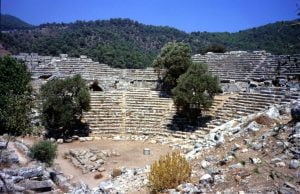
pixel 126 43
pixel 10 22
pixel 277 38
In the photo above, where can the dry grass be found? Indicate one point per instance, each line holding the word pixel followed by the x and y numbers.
pixel 265 120
pixel 98 176
pixel 116 172
pixel 170 171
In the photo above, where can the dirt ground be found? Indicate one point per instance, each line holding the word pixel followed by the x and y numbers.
pixel 131 155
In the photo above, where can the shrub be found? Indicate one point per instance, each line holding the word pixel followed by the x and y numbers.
pixel 44 151
pixel 116 172
pixel 169 172
pixel 98 176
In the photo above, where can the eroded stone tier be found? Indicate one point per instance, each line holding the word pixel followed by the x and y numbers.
pixel 246 66
pixel 128 103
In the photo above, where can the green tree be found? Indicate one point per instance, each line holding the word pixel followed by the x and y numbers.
pixel 195 91
pixel 175 58
pixel 15 97
pixel 64 101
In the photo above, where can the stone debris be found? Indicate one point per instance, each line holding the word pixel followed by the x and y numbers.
pixel 90 160
pixel 131 179
pixel 28 179
pixel 295 110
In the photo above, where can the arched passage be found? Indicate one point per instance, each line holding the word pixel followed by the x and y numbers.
pixel 96 87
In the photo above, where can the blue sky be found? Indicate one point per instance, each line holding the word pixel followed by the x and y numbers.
pixel 187 15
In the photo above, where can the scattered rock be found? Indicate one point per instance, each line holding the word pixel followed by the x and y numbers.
pixel 106 187
pixel 280 164
pixel 219 139
pixel 207 178
pixel 294 164
pixel 90 160
pixel 255 160
pixel 68 140
pixel 275 160
pixel 235 166
pixel 46 185
pixel 26 172
pixel 59 141
pixel 205 164
pixel 187 188
pixel 295 110
pixel 273 112
pixel 253 127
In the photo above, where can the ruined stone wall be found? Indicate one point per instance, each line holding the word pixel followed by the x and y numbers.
pixel 45 68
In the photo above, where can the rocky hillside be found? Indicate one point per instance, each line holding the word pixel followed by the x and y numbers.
pixel 126 43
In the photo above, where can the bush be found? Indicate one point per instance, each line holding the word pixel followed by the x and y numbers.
pixel 169 172
pixel 44 151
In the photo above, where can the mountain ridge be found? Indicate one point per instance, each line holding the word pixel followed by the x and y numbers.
pixel 126 43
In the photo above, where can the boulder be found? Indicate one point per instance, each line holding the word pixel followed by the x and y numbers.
pixel 26 172
pixel 22 147
pixel 207 178
pixel 273 112
pixel 236 166
pixel 205 164
pixel 82 188
pixel 255 160
pixel 253 127
pixel 219 139
pixel 2 145
pixel 46 185
pixel 187 188
pixel 106 187
pixel 9 156
pixel 294 164
pixel 295 110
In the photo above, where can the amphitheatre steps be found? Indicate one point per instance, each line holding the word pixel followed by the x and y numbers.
pixel 245 66
pixel 139 110
pixel 142 111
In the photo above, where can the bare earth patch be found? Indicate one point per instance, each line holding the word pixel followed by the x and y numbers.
pixel 131 155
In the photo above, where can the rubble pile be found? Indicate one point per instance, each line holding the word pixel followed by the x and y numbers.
pixel 90 160
pixel 34 177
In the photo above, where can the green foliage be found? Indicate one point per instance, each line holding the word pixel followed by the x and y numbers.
pixel 44 151
pixel 169 172
pixel 15 97
pixel 175 58
pixel 118 42
pixel 277 38
pixel 63 104
pixel 9 22
pixel 195 91
pixel 128 44
pixel 215 48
